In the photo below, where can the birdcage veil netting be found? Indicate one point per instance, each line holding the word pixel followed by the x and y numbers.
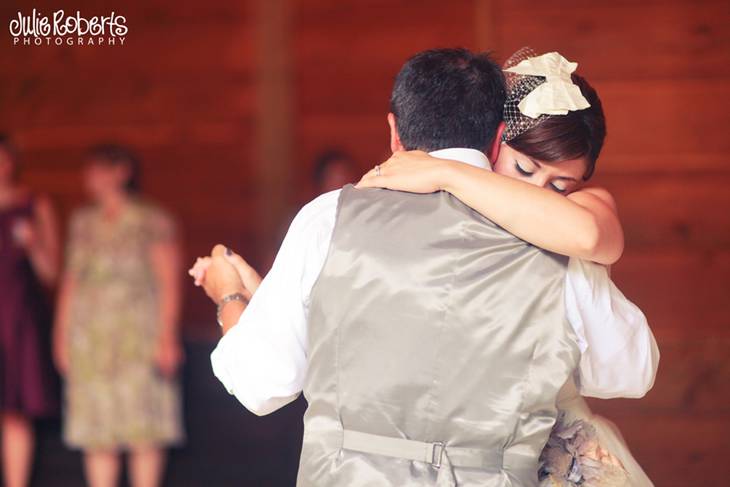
pixel 518 87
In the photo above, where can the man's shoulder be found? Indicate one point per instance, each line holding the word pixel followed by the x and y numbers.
pixel 322 203
pixel 320 210
pixel 328 203
pixel 385 196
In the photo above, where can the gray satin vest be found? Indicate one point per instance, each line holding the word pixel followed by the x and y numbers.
pixel 430 323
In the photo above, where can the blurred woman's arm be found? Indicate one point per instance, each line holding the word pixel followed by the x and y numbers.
pixel 43 247
pixel 584 225
pixel 165 259
pixel 67 289
pixel 60 326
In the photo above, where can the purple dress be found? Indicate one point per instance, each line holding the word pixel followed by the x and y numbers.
pixel 27 381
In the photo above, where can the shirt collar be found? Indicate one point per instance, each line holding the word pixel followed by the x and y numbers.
pixel 472 157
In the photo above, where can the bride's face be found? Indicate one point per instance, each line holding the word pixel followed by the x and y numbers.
pixel 563 177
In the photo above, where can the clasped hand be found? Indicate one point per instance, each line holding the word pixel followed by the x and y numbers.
pixel 224 273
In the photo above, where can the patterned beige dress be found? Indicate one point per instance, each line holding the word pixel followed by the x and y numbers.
pixel 115 397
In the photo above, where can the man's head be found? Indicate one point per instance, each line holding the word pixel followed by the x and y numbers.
pixel 446 98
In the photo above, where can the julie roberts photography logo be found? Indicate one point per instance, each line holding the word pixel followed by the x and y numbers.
pixel 72 29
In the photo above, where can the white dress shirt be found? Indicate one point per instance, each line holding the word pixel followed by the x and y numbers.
pixel 262 360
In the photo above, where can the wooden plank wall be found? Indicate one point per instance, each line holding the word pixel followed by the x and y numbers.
pixel 347 55
pixel 180 91
pixel 184 92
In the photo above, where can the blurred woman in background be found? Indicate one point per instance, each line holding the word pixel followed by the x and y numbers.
pixel 333 169
pixel 116 337
pixel 28 260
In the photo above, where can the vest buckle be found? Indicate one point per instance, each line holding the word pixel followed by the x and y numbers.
pixel 437 454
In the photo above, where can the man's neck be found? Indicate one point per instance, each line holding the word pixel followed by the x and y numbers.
pixel 472 157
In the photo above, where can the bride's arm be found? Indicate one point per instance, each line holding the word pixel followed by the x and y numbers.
pixel 585 224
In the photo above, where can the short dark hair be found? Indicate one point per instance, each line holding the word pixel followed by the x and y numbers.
pixel 578 134
pixel 448 98
pixel 118 155
pixel 8 146
pixel 324 160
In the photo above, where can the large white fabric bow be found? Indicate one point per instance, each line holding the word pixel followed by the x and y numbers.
pixel 557 95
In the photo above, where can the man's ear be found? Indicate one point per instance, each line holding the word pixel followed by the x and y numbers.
pixel 496 144
pixel 395 144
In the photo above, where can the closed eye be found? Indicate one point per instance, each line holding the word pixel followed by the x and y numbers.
pixel 522 170
pixel 558 188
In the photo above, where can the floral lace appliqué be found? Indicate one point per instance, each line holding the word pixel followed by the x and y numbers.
pixel 573 457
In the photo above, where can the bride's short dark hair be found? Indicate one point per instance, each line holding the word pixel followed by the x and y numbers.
pixel 579 134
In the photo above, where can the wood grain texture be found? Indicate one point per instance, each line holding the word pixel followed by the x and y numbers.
pixel 180 91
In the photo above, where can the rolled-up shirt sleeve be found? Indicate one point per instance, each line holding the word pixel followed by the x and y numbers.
pixel 619 355
pixel 262 359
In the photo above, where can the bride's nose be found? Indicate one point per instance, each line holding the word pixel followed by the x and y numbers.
pixel 541 178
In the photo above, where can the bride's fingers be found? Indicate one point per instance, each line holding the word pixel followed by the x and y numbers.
pixel 240 264
pixel 249 277
pixel 366 180
pixel 388 165
pixel 218 251
pixel 366 183
pixel 371 181
pixel 196 265
pixel 380 175
pixel 197 272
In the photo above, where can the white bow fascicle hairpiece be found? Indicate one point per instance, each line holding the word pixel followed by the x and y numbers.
pixel 557 95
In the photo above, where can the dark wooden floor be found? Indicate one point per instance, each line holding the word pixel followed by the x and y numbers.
pixel 227 446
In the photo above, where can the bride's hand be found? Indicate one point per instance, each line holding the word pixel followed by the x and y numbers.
pixel 249 277
pixel 412 171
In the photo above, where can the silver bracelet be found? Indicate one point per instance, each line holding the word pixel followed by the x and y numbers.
pixel 227 299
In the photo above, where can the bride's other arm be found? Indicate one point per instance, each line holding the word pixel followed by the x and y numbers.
pixel 619 354
pixel 584 224
pixel 262 357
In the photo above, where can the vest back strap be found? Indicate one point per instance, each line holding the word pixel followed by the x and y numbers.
pixel 436 454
